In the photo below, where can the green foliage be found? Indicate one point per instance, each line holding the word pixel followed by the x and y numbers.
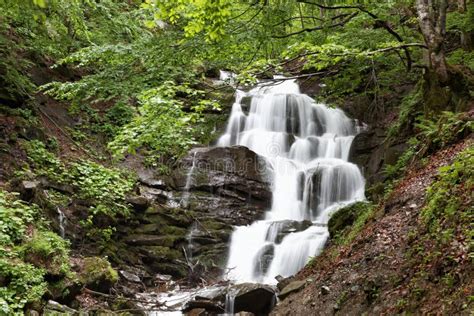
pixel 348 221
pixel 448 208
pixel 27 254
pixel 462 57
pixel 44 162
pixel 432 135
pixel 443 130
pixel 24 283
pixel 49 251
pixel 104 187
pixel 162 127
pixel 15 216
pixel 409 109
pixel 461 21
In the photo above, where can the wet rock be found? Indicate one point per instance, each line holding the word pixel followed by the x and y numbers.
pixel 278 230
pixel 253 298
pixel 282 282
pixel 130 276
pixel 292 287
pixel 371 153
pixel 162 278
pixel 148 178
pixel 154 195
pixel 54 308
pixel 139 203
pixel 264 259
pixel 151 240
pixel 28 189
pixel 234 168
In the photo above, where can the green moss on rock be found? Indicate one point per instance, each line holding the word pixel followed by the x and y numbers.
pixel 348 221
pixel 98 274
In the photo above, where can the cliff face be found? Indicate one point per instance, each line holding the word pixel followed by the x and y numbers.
pixel 403 254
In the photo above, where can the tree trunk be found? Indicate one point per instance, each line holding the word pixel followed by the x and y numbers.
pixel 432 19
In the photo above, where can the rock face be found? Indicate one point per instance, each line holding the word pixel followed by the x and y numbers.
pixel 186 219
pixel 235 172
pixel 371 154
pixel 257 299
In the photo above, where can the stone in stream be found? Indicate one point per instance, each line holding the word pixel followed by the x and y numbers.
pixel 263 259
pixel 278 230
pixel 258 299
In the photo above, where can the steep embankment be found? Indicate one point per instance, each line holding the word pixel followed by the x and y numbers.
pixel 410 253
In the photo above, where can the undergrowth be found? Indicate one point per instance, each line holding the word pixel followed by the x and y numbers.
pixel 442 248
pixel 28 254
pixel 432 135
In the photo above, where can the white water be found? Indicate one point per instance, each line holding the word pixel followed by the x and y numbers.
pixel 229 304
pixel 187 186
pixel 62 221
pixel 189 238
pixel 307 145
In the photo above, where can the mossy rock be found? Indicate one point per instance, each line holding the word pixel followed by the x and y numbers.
pixel 98 274
pixel 177 270
pixel 153 240
pixel 174 230
pixel 345 217
pixel 159 253
pixel 148 228
pixel 49 251
pixel 64 290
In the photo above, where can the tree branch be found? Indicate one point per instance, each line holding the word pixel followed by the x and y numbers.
pixel 317 28
pixel 378 24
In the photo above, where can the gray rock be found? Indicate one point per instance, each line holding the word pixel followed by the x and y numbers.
pixel 139 203
pixel 292 287
pixel 130 276
pixel 53 308
pixel 278 230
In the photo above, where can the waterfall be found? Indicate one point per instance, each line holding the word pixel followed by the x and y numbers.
pixel 189 238
pixel 229 304
pixel 307 145
pixel 187 186
pixel 62 221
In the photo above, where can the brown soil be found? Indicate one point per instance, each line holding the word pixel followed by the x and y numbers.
pixel 374 274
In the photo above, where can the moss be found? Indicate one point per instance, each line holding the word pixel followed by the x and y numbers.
pixel 49 251
pixel 348 221
pixel 162 253
pixel 97 273
pixel 175 231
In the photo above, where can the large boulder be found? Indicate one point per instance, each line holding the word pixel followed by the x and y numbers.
pixel 372 153
pixel 258 299
pixel 278 230
pixel 227 171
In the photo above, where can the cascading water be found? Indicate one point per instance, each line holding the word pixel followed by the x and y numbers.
pixel 187 186
pixel 61 220
pixel 307 145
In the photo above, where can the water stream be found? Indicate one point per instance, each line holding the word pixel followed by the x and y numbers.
pixel 62 221
pixel 307 146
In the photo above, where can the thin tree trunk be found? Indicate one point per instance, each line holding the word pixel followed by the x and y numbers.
pixel 432 19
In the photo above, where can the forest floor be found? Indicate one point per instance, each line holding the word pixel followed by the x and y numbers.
pixel 378 273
